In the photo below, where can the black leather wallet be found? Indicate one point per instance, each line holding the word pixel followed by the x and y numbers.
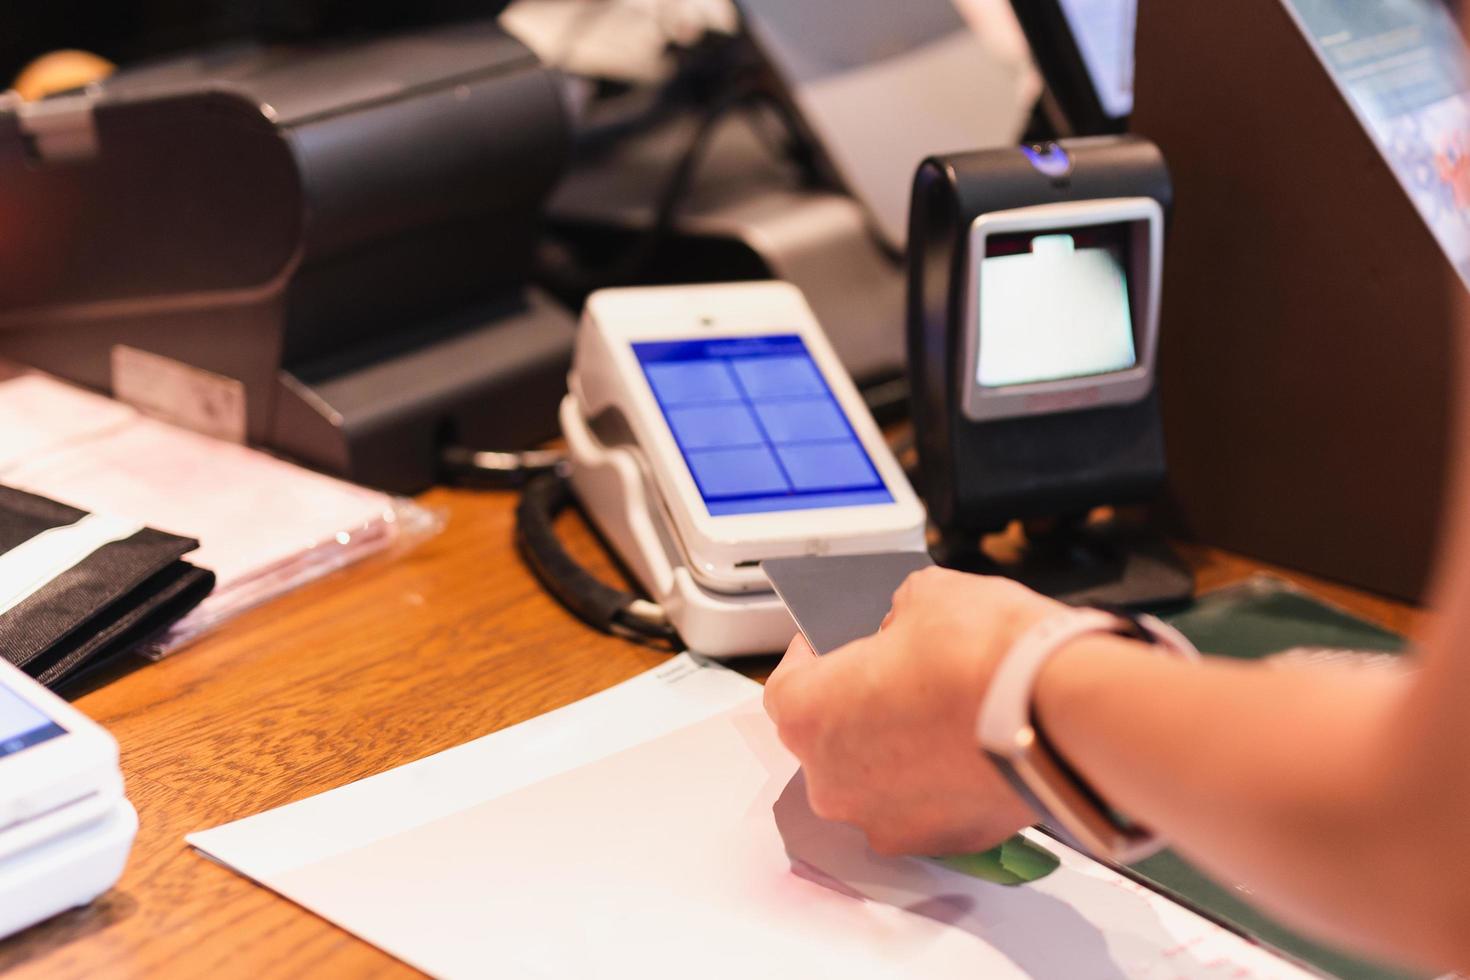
pixel 79 595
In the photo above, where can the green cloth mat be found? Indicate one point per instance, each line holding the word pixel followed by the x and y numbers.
pixel 1262 616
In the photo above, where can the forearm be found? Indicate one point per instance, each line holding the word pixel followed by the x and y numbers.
pixel 1287 781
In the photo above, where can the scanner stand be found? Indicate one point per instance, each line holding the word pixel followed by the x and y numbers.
pixel 1117 562
pixel 611 480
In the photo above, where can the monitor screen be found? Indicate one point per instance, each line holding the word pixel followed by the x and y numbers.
pixel 758 426
pixel 22 725
pixel 1401 65
pixel 1054 305
pixel 883 85
pixel 1104 31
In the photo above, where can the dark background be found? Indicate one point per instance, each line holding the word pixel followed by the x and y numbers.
pixel 126 31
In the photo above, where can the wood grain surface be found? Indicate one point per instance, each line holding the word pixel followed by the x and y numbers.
pixel 374 667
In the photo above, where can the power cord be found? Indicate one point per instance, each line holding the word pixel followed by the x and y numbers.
pixel 543 478
pixel 599 605
pixel 568 278
pixel 720 78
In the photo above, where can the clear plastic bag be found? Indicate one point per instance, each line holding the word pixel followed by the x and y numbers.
pixel 402 525
pixel 265 526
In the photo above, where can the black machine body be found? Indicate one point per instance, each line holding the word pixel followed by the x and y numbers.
pixel 340 231
pixel 1038 445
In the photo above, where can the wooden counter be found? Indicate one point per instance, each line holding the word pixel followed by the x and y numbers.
pixel 374 667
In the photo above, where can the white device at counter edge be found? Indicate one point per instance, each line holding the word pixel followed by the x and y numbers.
pixel 65 826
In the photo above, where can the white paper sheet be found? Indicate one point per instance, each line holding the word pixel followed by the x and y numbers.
pixel 652 831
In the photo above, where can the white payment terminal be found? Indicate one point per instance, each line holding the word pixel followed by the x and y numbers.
pixel 65 826
pixel 712 428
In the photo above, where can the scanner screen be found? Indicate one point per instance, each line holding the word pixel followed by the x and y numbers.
pixel 1054 305
pixel 758 426
pixel 22 725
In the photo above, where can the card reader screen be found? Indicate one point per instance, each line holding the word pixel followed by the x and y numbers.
pixel 1054 305
pixel 758 426
pixel 22 725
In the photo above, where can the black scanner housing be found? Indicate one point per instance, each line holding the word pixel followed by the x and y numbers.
pixel 344 227
pixel 976 477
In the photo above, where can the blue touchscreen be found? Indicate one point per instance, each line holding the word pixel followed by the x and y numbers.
pixel 758 426
pixel 22 725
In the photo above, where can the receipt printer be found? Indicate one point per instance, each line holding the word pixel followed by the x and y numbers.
pixel 1034 318
pixel 320 248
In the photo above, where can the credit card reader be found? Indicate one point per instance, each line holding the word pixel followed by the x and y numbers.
pixel 710 428
pixel 65 826
pixel 1034 323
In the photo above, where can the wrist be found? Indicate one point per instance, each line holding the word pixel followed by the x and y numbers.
pixel 1079 675
pixel 1067 648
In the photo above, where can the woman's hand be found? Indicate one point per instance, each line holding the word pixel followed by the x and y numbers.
pixel 885 727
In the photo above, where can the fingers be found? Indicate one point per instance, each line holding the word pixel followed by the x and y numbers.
pixel 900 841
pixel 807 695
pixel 935 586
pixel 799 654
pixel 915 590
pixel 883 727
pixel 903 596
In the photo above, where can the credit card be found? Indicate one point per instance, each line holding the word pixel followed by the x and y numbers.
pixel 836 599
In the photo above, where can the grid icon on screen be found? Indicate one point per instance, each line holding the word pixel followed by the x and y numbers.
pixel 758 426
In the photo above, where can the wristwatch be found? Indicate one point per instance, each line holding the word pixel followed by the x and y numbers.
pixel 1010 736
